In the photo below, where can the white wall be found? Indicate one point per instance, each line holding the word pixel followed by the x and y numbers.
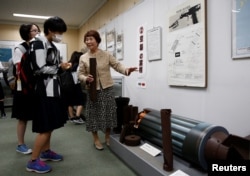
pixel 225 101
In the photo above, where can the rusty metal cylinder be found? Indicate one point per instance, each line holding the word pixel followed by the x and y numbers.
pixel 189 137
pixel 92 90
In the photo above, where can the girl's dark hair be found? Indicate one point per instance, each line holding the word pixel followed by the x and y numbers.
pixel 24 30
pixel 54 24
pixel 75 56
pixel 93 33
pixel 74 60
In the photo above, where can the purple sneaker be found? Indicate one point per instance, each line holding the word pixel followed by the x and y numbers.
pixel 50 156
pixel 38 166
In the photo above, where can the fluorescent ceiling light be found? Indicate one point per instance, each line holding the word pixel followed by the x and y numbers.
pixel 30 16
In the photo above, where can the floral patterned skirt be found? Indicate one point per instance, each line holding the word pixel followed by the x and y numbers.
pixel 101 114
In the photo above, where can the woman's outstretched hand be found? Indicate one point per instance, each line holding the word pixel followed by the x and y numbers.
pixel 132 69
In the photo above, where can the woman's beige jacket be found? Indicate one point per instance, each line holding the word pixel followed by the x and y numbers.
pixel 104 62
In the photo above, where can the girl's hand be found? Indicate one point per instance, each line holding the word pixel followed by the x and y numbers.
pixel 66 65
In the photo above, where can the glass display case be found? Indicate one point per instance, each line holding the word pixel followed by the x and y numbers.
pixel 118 86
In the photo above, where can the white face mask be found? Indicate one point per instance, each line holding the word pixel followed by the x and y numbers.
pixel 37 35
pixel 57 38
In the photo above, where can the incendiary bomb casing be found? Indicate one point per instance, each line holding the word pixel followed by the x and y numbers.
pixel 190 138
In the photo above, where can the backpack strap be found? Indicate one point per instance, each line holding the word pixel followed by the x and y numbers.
pixel 35 45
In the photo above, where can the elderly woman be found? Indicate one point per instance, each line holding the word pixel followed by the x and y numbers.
pixel 100 113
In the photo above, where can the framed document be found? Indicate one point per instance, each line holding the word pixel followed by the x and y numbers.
pixel 154 44
pixel 186 45
pixel 240 29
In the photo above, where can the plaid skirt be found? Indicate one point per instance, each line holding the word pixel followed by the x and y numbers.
pixel 101 114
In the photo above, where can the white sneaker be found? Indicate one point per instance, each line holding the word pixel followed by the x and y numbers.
pixel 78 121
pixel 81 120
pixel 23 149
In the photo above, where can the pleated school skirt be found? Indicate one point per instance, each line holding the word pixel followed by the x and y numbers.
pixel 51 112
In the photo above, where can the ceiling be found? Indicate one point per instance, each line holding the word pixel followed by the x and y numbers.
pixel 74 12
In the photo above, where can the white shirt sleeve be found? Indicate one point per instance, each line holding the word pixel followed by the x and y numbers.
pixel 1 65
pixel 17 56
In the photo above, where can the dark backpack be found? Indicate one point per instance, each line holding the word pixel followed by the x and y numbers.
pixel 27 75
pixel 66 81
pixel 25 70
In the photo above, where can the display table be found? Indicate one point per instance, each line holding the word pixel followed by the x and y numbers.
pixel 146 165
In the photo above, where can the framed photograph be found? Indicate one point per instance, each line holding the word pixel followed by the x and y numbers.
pixel 111 42
pixel 119 46
pixel 240 29
pixel 186 45
pixel 103 44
